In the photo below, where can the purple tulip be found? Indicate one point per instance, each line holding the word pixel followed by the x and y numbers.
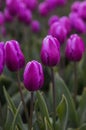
pixel 31 4
pixel 2 19
pixel 75 6
pixel 43 9
pixel 61 2
pixel 33 76
pixel 8 16
pixel 14 57
pixel 82 10
pixel 65 21
pixel 58 30
pixel 74 48
pixel 2 57
pixel 50 51
pixel 35 26
pixel 52 19
pixel 13 6
pixel 24 14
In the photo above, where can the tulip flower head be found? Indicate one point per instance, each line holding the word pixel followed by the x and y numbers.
pixel 14 57
pixel 74 48
pixel 33 76
pixel 2 57
pixel 50 51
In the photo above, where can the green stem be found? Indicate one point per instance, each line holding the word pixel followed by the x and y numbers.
pixel 54 98
pixel 75 81
pixel 22 98
pixel 31 110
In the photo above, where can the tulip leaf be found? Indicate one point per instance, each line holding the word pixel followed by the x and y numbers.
pixel 15 117
pixel 62 112
pixel 61 89
pixel 47 125
pixel 13 109
pixel 82 107
pixel 42 106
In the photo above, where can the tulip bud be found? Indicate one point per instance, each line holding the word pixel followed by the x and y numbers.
pixel 24 14
pixel 75 6
pixel 2 57
pixel 74 48
pixel 50 51
pixel 33 76
pixel 8 16
pixel 43 9
pixel 52 19
pixel 65 21
pixel 82 10
pixel 14 57
pixel 35 26
pixel 58 30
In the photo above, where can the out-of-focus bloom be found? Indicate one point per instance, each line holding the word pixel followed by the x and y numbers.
pixel 31 4
pixel 2 20
pixel 43 9
pixel 65 21
pixel 33 76
pixel 8 16
pixel 14 57
pixel 78 24
pixel 52 19
pixel 35 26
pixel 74 48
pixel 61 2
pixel 58 30
pixel 75 6
pixel 73 15
pixel 24 14
pixel 13 6
pixel 2 57
pixel 82 10
pixel 50 51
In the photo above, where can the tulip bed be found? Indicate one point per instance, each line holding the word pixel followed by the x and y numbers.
pixel 42 65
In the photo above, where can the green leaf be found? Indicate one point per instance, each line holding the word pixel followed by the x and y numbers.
pixel 62 112
pixel 61 89
pixel 82 107
pixel 13 109
pixel 47 125
pixel 15 117
pixel 42 106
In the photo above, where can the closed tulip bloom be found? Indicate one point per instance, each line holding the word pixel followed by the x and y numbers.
pixel 31 4
pixel 8 16
pixel 2 57
pixel 13 6
pixel 59 31
pixel 35 26
pixel 75 6
pixel 14 57
pixel 74 48
pixel 52 19
pixel 82 10
pixel 65 21
pixel 43 9
pixel 24 14
pixel 50 51
pixel 79 25
pixel 33 76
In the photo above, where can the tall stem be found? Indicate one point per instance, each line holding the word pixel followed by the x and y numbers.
pixel 75 81
pixel 31 110
pixel 54 98
pixel 22 98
